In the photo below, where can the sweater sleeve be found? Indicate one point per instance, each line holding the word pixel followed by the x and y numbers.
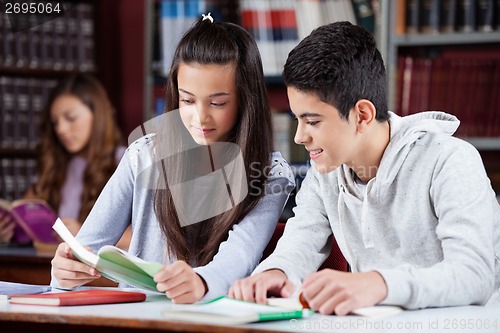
pixel 111 214
pixel 305 244
pixel 242 251
pixel 467 211
pixel 112 211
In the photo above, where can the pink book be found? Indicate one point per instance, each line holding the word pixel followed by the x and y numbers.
pixel 34 220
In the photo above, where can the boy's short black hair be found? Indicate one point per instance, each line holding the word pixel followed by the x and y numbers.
pixel 339 62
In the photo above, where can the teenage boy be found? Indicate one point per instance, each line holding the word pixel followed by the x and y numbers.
pixel 410 206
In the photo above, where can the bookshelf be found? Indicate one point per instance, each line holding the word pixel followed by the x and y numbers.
pixel 459 58
pixel 118 52
pixel 33 57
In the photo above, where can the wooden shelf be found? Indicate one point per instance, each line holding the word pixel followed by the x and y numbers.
pixel 38 72
pixel 482 143
pixel 18 153
pixel 447 39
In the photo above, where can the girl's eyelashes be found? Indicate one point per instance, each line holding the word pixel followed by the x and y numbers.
pixel 186 101
pixel 218 104
pixel 190 102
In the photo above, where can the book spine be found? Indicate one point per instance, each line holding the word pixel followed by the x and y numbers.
pixel 58 36
pixel 290 34
pixel 34 47
pixel 466 15
pixel 447 19
pixel 47 42
pixel 86 56
pixel 365 16
pixel 401 17
pixel 283 315
pixel 9 47
pixel 497 14
pixel 8 110
pixel 21 49
pixel 408 72
pixel 168 32
pixel 35 111
pixel 21 119
pixel 429 16
pixel 412 16
pixel 281 130
pixel 485 9
pixel 31 171
pixel 2 37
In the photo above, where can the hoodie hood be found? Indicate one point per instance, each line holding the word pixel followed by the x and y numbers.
pixel 405 131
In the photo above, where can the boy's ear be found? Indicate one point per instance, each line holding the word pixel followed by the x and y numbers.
pixel 365 114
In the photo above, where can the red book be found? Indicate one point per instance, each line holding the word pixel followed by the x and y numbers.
pixel 80 297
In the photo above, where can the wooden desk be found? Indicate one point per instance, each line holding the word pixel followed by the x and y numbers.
pixel 24 265
pixel 147 317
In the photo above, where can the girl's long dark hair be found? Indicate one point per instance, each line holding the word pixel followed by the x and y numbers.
pixel 220 43
pixel 105 138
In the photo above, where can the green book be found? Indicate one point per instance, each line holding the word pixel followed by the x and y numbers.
pixel 113 262
pixel 226 311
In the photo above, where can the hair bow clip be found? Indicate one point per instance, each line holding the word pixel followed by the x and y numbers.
pixel 207 17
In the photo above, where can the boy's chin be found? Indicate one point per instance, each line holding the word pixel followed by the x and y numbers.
pixel 324 168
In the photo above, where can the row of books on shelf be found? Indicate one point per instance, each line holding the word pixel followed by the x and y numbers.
pixel 16 175
pixel 64 43
pixel 22 102
pixel 284 128
pixel 465 84
pixel 277 25
pixel 445 16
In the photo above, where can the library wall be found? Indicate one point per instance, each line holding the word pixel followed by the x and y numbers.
pixel 33 57
pixel 104 38
pixel 444 55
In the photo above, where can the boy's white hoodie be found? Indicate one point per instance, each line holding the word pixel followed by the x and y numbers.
pixel 429 222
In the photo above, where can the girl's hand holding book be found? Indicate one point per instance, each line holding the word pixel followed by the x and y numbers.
pixel 69 271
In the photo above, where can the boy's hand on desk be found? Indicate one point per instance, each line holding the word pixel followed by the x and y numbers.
pixel 255 288
pixel 69 271
pixel 329 291
pixel 7 226
pixel 180 283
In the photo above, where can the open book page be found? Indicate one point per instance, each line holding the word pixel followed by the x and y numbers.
pixel 377 311
pixel 78 250
pixel 225 310
pixel 13 288
pixel 371 311
pixel 123 258
pixel 112 262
